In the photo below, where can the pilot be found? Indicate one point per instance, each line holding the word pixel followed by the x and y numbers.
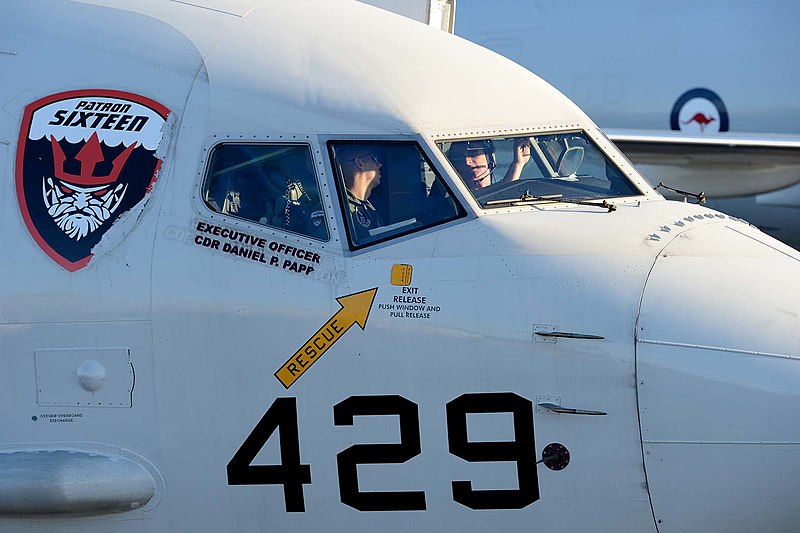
pixel 476 160
pixel 361 169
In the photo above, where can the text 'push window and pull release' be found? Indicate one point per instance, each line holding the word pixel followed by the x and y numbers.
pixel 268 184
pixel 389 189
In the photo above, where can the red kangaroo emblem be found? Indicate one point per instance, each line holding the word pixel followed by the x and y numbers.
pixel 701 119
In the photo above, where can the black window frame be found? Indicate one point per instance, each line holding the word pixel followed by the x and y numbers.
pixel 461 211
pixel 255 223
pixel 439 143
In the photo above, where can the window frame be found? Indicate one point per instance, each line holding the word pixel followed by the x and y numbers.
pixel 306 141
pixel 439 141
pixel 329 141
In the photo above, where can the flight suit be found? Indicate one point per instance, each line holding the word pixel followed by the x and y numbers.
pixel 363 217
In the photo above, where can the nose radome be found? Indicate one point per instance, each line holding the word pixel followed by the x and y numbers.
pixel 718 380
pixel 724 286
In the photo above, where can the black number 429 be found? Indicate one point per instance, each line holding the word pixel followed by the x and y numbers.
pixel 292 474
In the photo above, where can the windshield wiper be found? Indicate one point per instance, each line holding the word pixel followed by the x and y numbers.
pixel 701 196
pixel 527 198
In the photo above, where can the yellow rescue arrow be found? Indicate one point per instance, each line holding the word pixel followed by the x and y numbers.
pixel 355 310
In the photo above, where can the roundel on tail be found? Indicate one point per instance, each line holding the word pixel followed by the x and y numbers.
pixel 699 110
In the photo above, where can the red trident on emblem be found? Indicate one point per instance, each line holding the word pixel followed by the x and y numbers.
pixel 89 156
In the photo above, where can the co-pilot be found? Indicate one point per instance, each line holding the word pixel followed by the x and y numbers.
pixel 476 160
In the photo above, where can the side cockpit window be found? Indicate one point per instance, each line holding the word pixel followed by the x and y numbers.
pixel 268 184
pixel 389 189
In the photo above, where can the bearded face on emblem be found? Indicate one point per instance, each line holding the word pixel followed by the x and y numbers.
pixel 80 204
pixel 84 159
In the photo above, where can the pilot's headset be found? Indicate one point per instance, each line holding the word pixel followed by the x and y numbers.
pixel 471 148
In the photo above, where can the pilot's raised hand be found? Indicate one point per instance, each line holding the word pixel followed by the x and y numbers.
pixel 522 154
pixel 522 151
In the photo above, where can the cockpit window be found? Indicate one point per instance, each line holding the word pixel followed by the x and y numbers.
pixel 268 184
pixel 503 171
pixel 389 189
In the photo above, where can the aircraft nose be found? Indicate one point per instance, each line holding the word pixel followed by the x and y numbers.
pixel 718 381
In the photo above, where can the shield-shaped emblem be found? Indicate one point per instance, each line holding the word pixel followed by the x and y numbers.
pixel 83 159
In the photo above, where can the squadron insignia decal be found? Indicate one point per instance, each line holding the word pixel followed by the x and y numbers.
pixel 83 159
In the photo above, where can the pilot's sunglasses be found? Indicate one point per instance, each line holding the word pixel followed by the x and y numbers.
pixel 475 148
pixel 371 156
